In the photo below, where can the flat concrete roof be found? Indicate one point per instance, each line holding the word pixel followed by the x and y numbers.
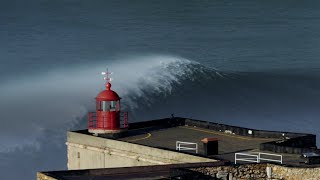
pixel 164 133
pixel 166 138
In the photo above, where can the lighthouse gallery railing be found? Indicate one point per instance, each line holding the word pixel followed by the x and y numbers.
pixel 92 120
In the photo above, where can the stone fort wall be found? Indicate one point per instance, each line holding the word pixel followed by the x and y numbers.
pixel 259 172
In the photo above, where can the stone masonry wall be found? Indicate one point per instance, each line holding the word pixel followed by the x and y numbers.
pixel 295 173
pixel 250 171
pixel 41 176
pixel 258 172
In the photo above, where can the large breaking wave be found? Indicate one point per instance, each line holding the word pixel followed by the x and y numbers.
pixel 37 111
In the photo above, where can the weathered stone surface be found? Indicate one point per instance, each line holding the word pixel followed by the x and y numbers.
pixel 251 171
pixel 258 171
pixel 41 176
pixel 295 173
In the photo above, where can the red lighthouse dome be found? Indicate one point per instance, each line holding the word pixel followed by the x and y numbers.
pixel 108 120
pixel 108 94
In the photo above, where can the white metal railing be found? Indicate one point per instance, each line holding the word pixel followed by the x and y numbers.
pixel 181 146
pixel 256 157
pixel 248 158
pixel 268 154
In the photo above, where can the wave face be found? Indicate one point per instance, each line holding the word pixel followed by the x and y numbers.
pixel 285 101
pixel 39 110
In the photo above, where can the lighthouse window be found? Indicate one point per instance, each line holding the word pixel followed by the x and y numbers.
pixel 105 105
pixel 113 105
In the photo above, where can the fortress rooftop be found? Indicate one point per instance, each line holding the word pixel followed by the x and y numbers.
pixel 164 134
pixel 150 150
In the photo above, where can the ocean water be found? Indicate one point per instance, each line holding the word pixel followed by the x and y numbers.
pixel 247 63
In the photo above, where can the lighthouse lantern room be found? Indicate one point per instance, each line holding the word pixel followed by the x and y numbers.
pixel 108 120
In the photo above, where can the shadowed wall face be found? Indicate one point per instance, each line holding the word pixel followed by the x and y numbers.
pixel 89 152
